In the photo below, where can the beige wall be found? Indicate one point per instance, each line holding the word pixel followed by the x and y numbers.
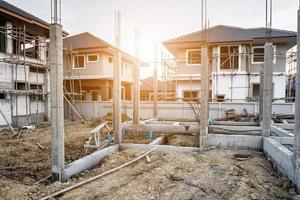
pixel 96 89
pixel 102 68
pixel 245 60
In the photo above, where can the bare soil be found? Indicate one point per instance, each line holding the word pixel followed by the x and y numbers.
pixel 182 140
pixel 214 174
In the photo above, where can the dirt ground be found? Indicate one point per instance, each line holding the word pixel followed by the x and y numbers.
pixel 182 140
pixel 22 162
pixel 215 174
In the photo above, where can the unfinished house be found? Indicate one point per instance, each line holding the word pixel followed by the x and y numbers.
pixel 24 77
pixel 237 56
pixel 88 69
pixel 166 90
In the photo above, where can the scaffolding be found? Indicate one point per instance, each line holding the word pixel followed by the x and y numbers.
pixel 168 77
pixel 26 61
pixel 233 58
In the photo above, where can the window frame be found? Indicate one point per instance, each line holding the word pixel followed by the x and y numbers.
pixel 92 54
pixel 112 60
pixel 84 62
pixel 239 58
pixel 187 57
pixel 256 47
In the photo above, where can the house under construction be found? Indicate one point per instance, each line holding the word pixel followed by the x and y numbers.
pixel 24 77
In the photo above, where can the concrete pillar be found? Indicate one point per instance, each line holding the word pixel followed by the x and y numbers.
pixel 57 103
pixel 268 88
pixel 296 152
pixel 9 41
pixel 106 88
pixel 261 93
pixel 204 96
pixel 155 85
pixel 136 96
pixel 136 85
pixel 117 84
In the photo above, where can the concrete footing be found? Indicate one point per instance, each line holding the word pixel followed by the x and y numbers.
pixel 280 156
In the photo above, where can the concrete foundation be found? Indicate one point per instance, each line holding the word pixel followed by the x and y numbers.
pixel 235 141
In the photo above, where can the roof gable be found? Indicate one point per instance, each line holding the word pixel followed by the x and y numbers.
pixel 222 33
pixel 13 9
pixel 84 40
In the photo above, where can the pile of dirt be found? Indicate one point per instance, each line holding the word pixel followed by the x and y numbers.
pixel 94 122
pixel 182 140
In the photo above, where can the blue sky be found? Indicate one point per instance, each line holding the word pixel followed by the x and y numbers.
pixel 159 20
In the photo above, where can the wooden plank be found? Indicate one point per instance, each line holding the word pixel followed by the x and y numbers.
pixel 98 128
pixel 79 115
pixel 9 125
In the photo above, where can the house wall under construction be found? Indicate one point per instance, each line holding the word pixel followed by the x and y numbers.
pixel 236 58
pixel 24 77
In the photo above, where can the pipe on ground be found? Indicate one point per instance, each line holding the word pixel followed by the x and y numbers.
pixel 233 123
pixel 161 129
pixel 87 162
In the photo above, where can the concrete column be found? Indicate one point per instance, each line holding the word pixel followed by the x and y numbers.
pixel 42 49
pixel 106 88
pixel 296 152
pixel 9 41
pixel 57 103
pixel 155 85
pixel 204 96
pixel 268 88
pixel 136 85
pixel 261 93
pixel 136 96
pixel 117 84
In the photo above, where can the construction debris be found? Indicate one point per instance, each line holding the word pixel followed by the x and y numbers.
pixel 231 115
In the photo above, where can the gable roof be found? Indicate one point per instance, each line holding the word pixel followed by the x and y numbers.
pixel 15 10
pixel 87 40
pixel 10 10
pixel 84 40
pixel 223 33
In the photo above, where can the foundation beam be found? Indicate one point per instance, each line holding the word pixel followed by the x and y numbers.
pixel 117 84
pixel 268 89
pixel 57 103
pixel 204 97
